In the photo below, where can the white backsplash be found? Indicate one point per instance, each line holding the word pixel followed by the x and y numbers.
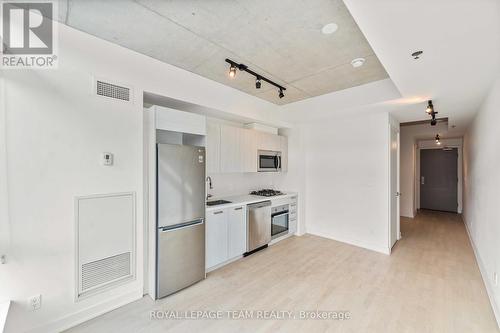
pixel 243 183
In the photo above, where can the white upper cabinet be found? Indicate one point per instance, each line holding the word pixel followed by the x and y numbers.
pixel 233 149
pixel 213 148
pixel 268 141
pixel 230 147
pixel 248 151
pixel 179 121
pixel 284 153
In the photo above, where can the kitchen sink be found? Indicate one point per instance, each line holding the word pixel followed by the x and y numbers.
pixel 217 202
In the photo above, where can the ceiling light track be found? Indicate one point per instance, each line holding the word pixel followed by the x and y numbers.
pixel 258 77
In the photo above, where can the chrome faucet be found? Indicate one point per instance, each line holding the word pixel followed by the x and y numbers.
pixel 209 180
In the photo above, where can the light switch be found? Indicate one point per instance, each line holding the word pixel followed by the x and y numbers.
pixel 107 159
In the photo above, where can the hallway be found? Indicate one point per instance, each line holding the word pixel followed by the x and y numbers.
pixel 430 283
pixel 435 250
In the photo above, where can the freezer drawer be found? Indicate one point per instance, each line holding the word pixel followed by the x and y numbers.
pixel 180 257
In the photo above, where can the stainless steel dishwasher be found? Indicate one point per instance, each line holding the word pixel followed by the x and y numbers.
pixel 258 226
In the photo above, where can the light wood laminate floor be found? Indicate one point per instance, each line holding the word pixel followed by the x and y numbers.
pixel 430 283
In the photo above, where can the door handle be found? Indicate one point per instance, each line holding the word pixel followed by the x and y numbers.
pixel 422 181
pixel 183 225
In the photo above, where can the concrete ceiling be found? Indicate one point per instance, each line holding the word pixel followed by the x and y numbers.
pixel 280 39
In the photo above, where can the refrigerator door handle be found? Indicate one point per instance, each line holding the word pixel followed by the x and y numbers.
pixel 183 225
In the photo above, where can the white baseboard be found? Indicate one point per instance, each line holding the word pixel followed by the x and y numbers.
pixel 358 243
pixel 484 275
pixel 89 313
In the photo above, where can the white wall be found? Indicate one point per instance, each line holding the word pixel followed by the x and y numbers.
pixel 229 184
pixel 4 204
pixel 55 132
pixel 482 190
pixel 347 177
pixel 409 136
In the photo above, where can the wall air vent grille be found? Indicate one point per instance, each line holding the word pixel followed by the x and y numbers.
pixel 101 272
pixel 112 91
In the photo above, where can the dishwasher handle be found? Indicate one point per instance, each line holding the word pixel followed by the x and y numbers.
pixel 259 204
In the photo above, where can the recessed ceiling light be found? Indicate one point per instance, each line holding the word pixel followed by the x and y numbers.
pixel 358 62
pixel 329 28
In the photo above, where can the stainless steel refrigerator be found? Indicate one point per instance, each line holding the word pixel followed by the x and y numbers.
pixel 180 259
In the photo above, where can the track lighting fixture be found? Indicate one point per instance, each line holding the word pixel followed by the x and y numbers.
pixel 232 71
pixel 430 111
pixel 438 139
pixel 430 108
pixel 258 78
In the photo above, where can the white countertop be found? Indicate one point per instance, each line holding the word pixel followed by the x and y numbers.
pixel 247 199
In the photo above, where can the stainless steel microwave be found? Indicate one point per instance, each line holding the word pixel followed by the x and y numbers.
pixel 269 161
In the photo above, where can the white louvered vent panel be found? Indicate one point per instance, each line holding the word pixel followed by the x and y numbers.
pixel 105 252
pixel 112 91
pixel 99 273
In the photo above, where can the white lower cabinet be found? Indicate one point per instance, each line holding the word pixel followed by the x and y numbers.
pixel 237 231
pixel 293 202
pixel 225 235
pixel 216 238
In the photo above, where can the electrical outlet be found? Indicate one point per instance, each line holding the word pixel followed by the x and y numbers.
pixel 495 278
pixel 35 302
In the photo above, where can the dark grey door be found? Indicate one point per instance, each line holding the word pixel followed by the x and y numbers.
pixel 438 179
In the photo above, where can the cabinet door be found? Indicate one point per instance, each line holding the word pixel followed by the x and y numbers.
pixel 248 151
pixel 213 148
pixel 216 238
pixel 268 141
pixel 237 226
pixel 284 153
pixel 293 214
pixel 230 149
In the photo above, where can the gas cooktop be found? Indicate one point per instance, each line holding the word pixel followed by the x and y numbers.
pixel 267 192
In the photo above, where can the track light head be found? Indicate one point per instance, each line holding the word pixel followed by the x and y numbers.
pixel 281 95
pixel 430 107
pixel 232 71
pixel 257 83
pixel 438 139
pixel 433 122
